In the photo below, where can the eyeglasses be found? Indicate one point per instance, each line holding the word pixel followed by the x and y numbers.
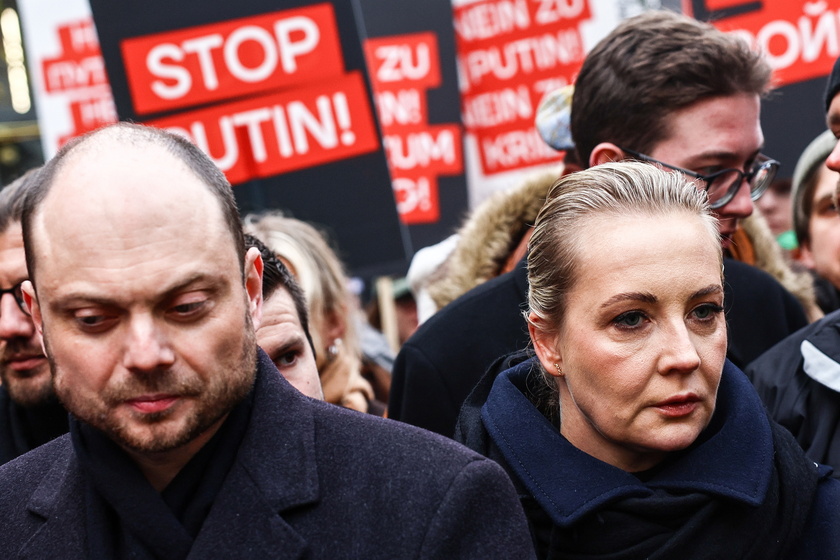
pixel 723 185
pixel 17 293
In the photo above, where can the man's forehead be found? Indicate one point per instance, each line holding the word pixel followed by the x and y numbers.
pixel 102 202
pixel 126 181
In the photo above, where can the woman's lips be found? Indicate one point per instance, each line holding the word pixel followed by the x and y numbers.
pixel 681 405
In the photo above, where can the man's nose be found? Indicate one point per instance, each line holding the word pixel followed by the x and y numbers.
pixel 147 346
pixel 14 323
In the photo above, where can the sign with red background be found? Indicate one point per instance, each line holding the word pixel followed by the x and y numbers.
pixel 511 53
pixel 233 58
pixel 801 39
pixel 403 68
pixel 277 98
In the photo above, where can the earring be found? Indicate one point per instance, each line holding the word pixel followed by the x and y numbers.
pixel 557 367
pixel 333 349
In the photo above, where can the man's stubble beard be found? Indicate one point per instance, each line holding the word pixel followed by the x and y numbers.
pixel 216 400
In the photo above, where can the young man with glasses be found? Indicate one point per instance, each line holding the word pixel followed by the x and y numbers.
pixel 30 414
pixel 660 87
pixel 799 378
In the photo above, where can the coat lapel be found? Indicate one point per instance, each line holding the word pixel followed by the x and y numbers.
pixel 59 502
pixel 275 470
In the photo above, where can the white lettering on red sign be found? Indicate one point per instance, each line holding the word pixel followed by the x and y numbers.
pixel 524 56
pixel 401 62
pixel 280 48
pixel 552 11
pixel 402 107
pixel 491 19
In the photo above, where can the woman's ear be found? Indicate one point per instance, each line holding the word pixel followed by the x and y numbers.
pixel 606 152
pixel 545 346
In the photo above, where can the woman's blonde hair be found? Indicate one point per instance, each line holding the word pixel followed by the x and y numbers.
pixel 619 189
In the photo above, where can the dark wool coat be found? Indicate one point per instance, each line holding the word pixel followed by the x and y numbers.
pixel 23 429
pixel 310 480
pixel 440 364
pixel 799 382
pixel 722 492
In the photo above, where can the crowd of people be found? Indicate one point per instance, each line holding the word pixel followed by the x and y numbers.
pixel 626 361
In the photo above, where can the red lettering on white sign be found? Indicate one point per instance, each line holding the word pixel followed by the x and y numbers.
pixel 80 64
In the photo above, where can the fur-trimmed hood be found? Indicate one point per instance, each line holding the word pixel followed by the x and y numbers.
pixel 488 237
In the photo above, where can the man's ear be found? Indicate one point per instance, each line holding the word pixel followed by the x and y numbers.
pixel 253 284
pixel 605 152
pixel 30 299
pixel 545 346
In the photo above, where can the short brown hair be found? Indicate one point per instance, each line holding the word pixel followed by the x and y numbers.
pixel 648 67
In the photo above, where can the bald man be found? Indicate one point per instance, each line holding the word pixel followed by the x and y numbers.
pixel 185 440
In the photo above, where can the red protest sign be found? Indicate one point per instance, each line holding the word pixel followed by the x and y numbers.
pixel 511 53
pixel 403 68
pixel 405 60
pixel 282 132
pixel 515 148
pixel 80 63
pixel 206 63
pixel 90 113
pixel 401 108
pixel 801 40
pixel 417 198
pixel 434 148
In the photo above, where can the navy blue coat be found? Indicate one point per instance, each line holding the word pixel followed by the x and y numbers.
pixel 563 487
pixel 310 480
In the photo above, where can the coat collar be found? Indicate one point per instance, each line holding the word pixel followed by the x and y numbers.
pixel 821 353
pixel 732 458
pixel 275 470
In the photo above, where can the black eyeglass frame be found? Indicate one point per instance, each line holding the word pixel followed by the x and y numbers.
pixel 17 294
pixel 771 166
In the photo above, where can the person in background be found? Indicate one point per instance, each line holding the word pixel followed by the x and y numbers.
pixel 629 435
pixel 696 78
pixel 402 308
pixel 320 273
pixel 799 378
pixel 30 414
pixel 815 219
pixel 284 309
pixel 776 205
pixel 185 441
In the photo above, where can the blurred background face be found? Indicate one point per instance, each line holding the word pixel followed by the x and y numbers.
pixel 24 370
pixel 643 340
pixel 822 251
pixel 282 337
pixel 775 206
